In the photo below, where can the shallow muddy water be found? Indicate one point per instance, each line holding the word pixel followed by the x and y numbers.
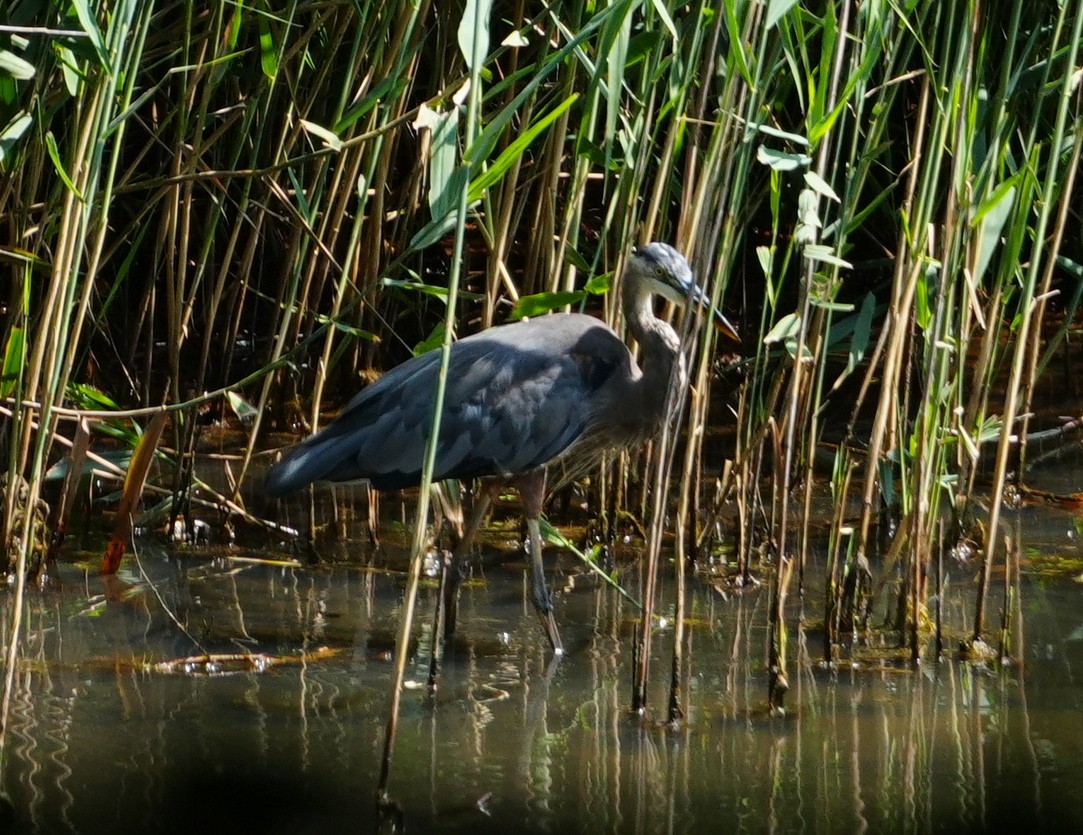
pixel 101 740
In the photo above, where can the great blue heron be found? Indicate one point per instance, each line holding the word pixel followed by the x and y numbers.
pixel 520 398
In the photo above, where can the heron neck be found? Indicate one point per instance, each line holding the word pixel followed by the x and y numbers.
pixel 660 346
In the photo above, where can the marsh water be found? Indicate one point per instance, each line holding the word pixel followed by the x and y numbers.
pixel 110 731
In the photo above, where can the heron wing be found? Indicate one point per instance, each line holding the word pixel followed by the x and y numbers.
pixel 517 397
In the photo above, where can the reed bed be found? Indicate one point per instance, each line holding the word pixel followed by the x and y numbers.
pixel 216 206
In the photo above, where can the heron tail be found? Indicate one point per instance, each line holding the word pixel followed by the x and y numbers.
pixel 320 461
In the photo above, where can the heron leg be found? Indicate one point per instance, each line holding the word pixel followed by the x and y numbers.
pixel 455 571
pixel 532 494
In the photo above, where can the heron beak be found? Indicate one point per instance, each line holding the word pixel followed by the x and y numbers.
pixel 720 322
pixel 723 326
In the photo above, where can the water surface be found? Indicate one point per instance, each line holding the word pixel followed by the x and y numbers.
pixel 101 740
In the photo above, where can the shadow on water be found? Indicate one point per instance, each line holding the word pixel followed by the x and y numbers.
pixel 99 740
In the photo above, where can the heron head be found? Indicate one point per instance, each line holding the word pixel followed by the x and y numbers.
pixel 667 273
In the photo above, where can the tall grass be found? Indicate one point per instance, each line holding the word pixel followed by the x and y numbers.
pixel 199 197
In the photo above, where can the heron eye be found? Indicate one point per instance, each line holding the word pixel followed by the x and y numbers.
pixel 660 271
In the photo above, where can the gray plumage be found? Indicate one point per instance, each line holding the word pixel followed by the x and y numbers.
pixel 519 397
pixel 511 405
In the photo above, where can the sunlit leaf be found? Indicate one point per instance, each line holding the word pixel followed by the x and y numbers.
pixel 735 33
pixel 446 176
pixel 385 89
pixel 663 14
pixel 555 537
pixel 54 155
pixel 788 327
pixel 496 126
pixel 870 56
pixel 825 255
pixel 541 303
pixel 832 306
pixel 923 312
pixel 432 231
pixel 85 396
pixel 419 287
pixel 775 10
pixel 990 429
pixel 13 132
pixel 244 410
pixel 89 24
pixel 15 66
pixel 820 186
pixel 765 258
pixel 325 134
pixel 268 49
pixel 348 329
pixel 781 160
pixel 473 32
pixel 573 257
pixel 599 284
pixel 991 217
pixel 768 130
pixel 461 94
pixel 434 340
pixel 69 68
pixel 617 34
pixel 236 26
pixel 14 360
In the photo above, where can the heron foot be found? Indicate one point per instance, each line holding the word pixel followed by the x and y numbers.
pixel 455 571
pixel 539 590
pixel 549 624
pixel 543 603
